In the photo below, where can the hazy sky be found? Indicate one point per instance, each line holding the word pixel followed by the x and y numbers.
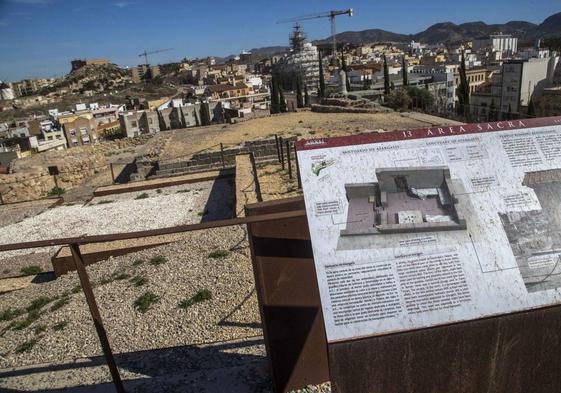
pixel 38 38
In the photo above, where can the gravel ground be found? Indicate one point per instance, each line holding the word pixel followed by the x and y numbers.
pixel 123 213
pixel 13 213
pixel 230 314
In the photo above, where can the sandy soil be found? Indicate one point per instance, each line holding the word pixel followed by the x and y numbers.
pixel 183 143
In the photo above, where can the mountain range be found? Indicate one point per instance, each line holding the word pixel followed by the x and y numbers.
pixel 448 32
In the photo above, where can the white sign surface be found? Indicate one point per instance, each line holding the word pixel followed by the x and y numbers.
pixel 432 226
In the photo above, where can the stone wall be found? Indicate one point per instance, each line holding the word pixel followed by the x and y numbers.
pixel 35 183
pixel 262 149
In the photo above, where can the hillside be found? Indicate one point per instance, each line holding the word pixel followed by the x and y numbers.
pixel 93 77
pixel 451 32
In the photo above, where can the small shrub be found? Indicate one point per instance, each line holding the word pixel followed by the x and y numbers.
pixel 39 329
pixel 142 196
pixel 200 296
pixel 158 191
pixel 121 276
pixel 59 304
pixel 76 289
pixel 56 191
pixel 312 132
pixel 138 281
pixel 10 313
pixel 181 191
pixel 105 201
pixel 38 303
pixel 203 213
pixel 30 270
pixel 31 317
pixel 60 326
pixel 219 254
pixel 144 302
pixel 158 260
pixel 26 346
pixel 104 280
pixel 137 262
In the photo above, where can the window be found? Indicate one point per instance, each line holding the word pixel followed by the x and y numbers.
pixel 73 131
pixel 134 123
pixel 150 120
pixel 83 131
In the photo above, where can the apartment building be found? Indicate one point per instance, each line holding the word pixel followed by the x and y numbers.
pixel 505 43
pixel 524 80
pixel 144 72
pixel 139 122
pixel 80 131
pixel 222 91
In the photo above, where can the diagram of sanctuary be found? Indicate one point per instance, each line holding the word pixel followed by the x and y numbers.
pixel 404 200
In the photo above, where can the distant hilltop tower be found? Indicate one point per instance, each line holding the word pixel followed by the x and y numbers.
pixel 297 38
pixel 6 92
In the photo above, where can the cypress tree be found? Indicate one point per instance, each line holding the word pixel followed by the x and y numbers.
pixel 492 116
pixel 344 68
pixel 299 100
pixel 386 76
pixel 161 121
pixel 282 102
pixel 196 116
pixel 531 109
pixel 306 96
pixel 321 77
pixel 404 71
pixel 182 118
pixel 509 113
pixel 463 89
pixel 274 96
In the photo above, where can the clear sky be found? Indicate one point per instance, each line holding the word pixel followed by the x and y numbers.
pixel 38 38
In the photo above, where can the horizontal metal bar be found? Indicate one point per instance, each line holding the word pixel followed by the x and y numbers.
pixel 153 232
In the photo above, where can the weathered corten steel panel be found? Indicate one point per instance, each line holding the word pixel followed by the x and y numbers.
pixel 288 296
pixel 515 353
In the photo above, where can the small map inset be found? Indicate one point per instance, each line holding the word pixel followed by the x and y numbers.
pixel 404 200
pixel 535 236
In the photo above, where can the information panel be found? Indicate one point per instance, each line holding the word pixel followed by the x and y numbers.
pixel 419 228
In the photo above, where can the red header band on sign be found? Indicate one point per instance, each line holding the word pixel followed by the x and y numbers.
pixel 430 132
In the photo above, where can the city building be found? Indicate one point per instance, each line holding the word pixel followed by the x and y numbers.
pixel 139 123
pixel 303 62
pixel 79 63
pixel 144 72
pixel 6 91
pixel 216 92
pixel 80 131
pixel 523 80
pixel 505 43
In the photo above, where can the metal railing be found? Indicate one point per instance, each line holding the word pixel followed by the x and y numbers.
pixel 75 242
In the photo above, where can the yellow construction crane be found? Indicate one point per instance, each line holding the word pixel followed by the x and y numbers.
pixel 331 15
pixel 145 54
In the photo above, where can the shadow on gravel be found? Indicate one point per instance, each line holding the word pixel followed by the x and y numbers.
pixel 220 202
pixel 211 368
pixel 44 277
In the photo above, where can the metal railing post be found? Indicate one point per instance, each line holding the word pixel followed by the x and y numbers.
pixel 90 299
pixel 277 144
pixel 281 152
pixel 288 160
pixel 297 167
pixel 112 172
